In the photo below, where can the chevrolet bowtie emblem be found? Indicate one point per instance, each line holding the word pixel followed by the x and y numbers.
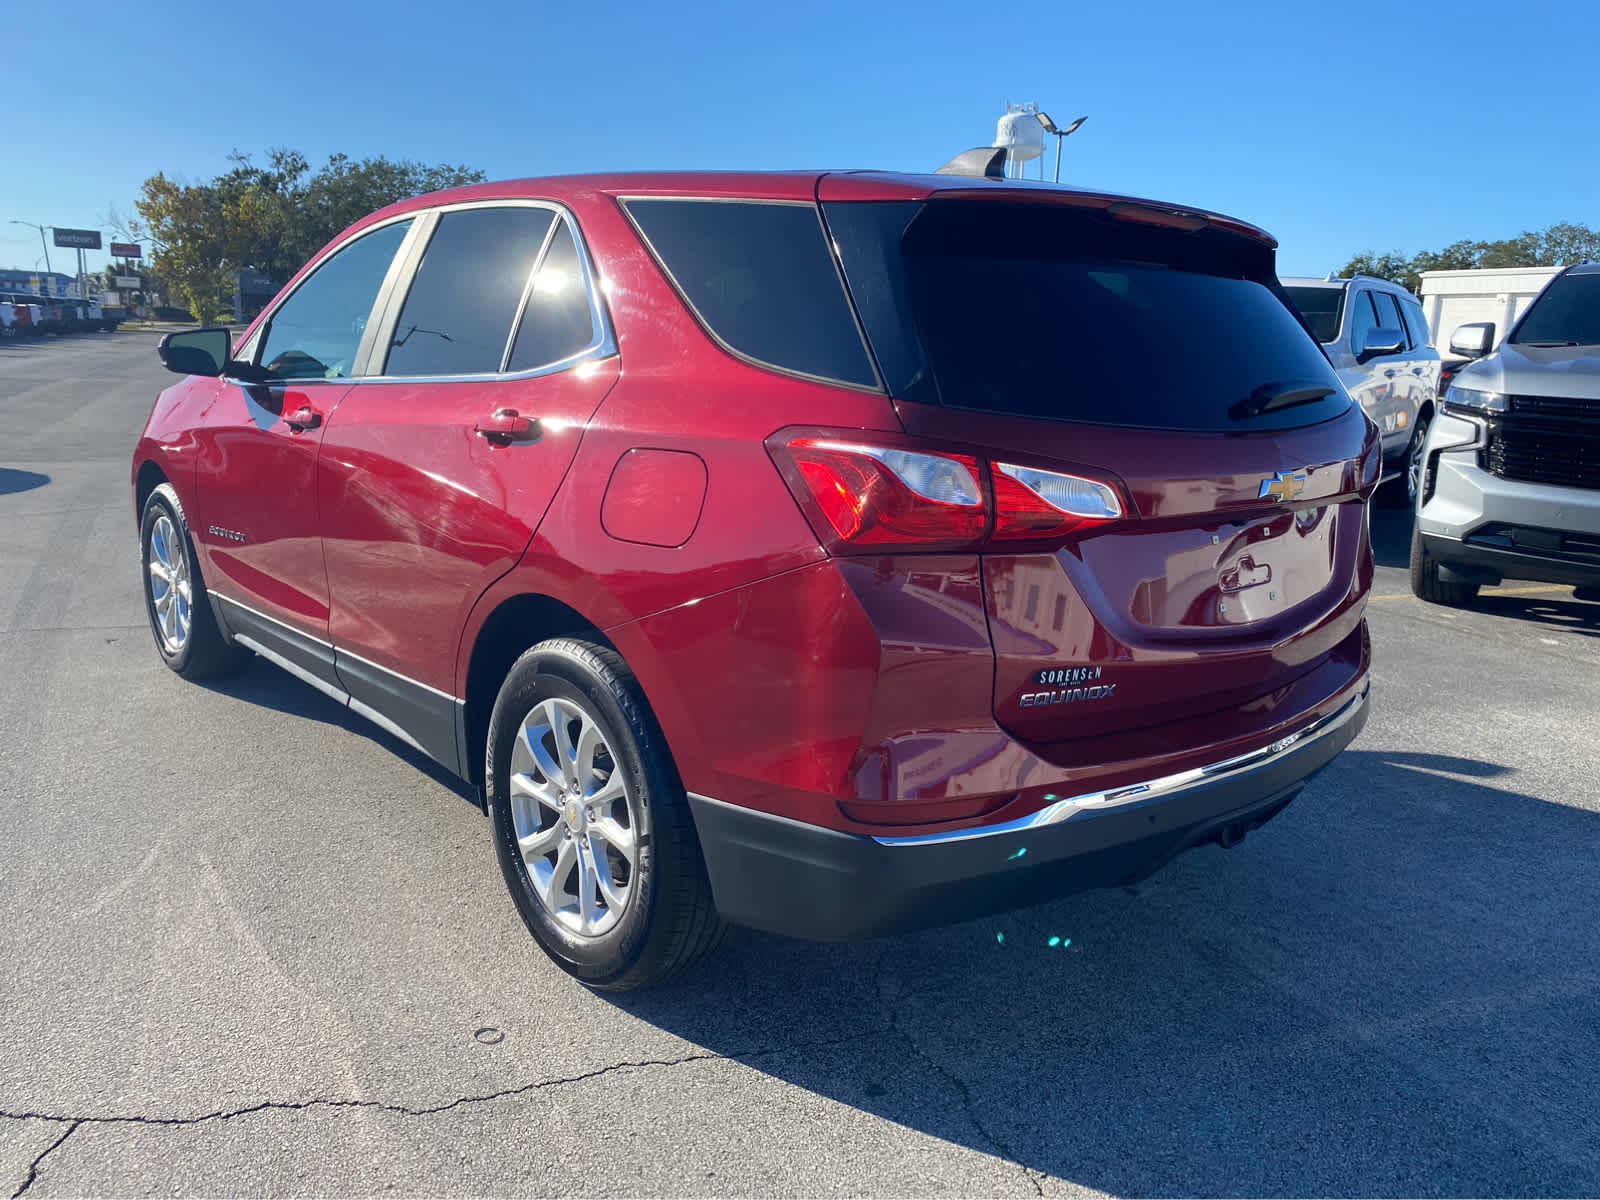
pixel 1282 487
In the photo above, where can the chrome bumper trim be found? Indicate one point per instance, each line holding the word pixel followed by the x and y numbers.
pixel 1061 810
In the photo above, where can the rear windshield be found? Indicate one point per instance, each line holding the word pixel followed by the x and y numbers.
pixel 1567 313
pixel 1322 307
pixel 1036 311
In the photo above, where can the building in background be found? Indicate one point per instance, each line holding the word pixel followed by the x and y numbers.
pixel 1451 299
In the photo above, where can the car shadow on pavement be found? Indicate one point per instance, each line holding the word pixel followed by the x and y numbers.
pixel 1393 988
pixel 1557 612
pixel 1391 536
pixel 262 683
pixel 13 481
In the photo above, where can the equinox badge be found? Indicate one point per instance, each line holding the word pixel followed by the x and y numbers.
pixel 1283 487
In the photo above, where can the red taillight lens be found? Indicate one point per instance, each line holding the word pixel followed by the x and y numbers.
pixel 875 496
pixel 1031 503
pixel 864 497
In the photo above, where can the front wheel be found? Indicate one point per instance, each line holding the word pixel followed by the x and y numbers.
pixel 590 823
pixel 175 598
pixel 1402 491
pixel 1425 581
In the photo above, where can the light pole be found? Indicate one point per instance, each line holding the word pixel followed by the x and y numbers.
pixel 1050 127
pixel 42 242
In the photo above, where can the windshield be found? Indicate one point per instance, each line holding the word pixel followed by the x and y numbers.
pixel 1322 307
pixel 1567 313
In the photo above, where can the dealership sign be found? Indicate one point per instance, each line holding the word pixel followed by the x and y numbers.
pixel 125 250
pixel 127 281
pixel 78 239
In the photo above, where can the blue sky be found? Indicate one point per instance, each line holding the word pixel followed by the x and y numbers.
pixel 1337 127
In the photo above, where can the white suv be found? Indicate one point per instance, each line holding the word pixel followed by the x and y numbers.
pixel 1374 333
pixel 1511 479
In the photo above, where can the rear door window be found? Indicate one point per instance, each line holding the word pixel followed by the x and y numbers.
pixel 760 277
pixel 556 322
pixel 1034 311
pixel 457 317
pixel 1416 323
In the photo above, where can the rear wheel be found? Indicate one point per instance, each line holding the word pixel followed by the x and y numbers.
pixel 590 824
pixel 1425 581
pixel 186 631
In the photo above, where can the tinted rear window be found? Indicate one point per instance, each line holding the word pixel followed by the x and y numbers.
pixel 1322 307
pixel 458 313
pixel 761 279
pixel 1038 312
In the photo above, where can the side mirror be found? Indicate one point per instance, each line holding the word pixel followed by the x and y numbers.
pixel 196 351
pixel 1473 341
pixel 1380 341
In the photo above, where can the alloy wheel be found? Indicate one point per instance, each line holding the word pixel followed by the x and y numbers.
pixel 171 592
pixel 1415 460
pixel 575 823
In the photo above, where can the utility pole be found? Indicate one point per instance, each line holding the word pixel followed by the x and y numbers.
pixel 42 242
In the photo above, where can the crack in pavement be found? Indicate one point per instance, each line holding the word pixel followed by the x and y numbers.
pixel 76 1121
pixel 960 1087
pixel 33 1167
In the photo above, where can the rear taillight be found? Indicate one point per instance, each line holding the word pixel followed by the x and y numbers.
pixel 867 497
pixel 874 496
pixel 1030 503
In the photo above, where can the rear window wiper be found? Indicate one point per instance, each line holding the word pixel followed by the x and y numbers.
pixel 1272 396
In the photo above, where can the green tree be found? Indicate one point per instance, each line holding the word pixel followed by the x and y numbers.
pixel 271 217
pixel 1564 243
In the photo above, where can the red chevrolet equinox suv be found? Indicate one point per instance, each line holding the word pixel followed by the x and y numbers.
pixel 833 554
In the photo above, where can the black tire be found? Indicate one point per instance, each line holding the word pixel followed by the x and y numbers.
pixel 204 653
pixel 1401 492
pixel 669 919
pixel 1427 585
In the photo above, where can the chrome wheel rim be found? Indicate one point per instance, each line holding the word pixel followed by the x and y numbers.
pixel 1419 446
pixel 575 823
pixel 171 591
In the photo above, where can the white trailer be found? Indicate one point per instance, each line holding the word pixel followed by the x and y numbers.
pixel 1451 299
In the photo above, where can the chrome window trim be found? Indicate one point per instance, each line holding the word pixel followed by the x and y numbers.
pixel 1166 785
pixel 602 346
pixel 880 389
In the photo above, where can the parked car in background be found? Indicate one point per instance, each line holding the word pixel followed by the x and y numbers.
pixel 1511 479
pixel 1377 339
pixel 835 555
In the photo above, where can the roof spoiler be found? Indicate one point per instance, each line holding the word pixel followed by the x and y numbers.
pixel 981 162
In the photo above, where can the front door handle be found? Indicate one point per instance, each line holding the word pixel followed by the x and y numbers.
pixel 507 425
pixel 303 418
pixel 1390 373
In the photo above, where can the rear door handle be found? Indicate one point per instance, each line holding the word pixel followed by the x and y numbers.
pixel 303 418
pixel 507 425
pixel 1390 373
pixel 1416 370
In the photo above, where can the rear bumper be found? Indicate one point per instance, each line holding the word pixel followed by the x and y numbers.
pixel 805 881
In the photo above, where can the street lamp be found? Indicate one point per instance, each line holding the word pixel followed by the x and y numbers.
pixel 1050 127
pixel 47 245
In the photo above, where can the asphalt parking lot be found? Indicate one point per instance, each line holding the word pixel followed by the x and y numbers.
pixel 252 944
